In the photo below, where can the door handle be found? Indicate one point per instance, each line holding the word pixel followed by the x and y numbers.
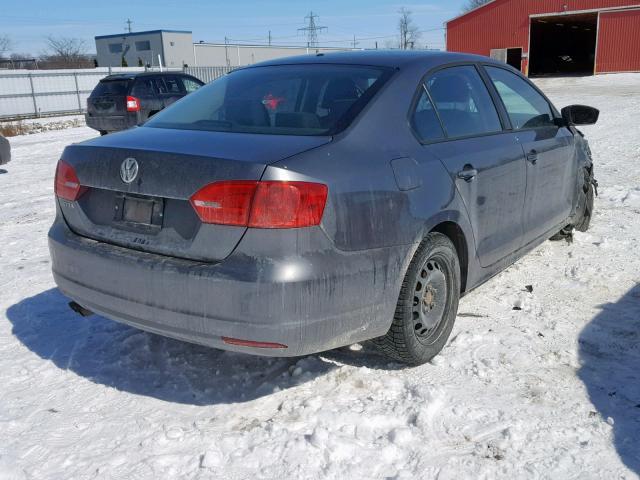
pixel 468 173
pixel 532 157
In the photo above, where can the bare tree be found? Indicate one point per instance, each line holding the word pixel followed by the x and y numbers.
pixel 473 4
pixel 66 52
pixel 5 45
pixel 409 32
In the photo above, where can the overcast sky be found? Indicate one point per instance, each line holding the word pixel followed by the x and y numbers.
pixel 27 22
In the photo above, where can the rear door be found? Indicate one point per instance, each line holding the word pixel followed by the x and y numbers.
pixel 109 97
pixel 486 163
pixel 171 89
pixel 551 167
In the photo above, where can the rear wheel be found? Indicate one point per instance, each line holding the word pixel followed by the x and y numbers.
pixel 428 303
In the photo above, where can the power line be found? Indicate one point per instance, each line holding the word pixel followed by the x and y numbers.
pixel 312 30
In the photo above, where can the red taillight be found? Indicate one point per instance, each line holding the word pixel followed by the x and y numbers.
pixel 268 204
pixel 67 185
pixel 251 343
pixel 133 104
pixel 288 205
pixel 226 203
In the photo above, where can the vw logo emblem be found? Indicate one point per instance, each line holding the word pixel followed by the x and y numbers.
pixel 129 170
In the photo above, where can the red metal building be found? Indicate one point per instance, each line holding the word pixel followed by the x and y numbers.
pixel 547 37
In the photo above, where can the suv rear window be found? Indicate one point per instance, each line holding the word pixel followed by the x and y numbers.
pixel 111 87
pixel 281 100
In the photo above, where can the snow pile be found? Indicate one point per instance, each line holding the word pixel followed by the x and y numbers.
pixel 31 126
pixel 548 390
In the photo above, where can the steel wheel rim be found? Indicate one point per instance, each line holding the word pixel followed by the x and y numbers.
pixel 430 298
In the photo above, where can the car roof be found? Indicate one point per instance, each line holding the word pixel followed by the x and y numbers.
pixel 130 76
pixel 381 58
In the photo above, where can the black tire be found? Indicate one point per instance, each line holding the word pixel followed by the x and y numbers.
pixel 584 211
pixel 428 303
pixel 585 220
pixel 103 133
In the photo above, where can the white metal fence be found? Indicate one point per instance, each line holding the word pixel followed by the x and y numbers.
pixel 40 93
pixel 208 74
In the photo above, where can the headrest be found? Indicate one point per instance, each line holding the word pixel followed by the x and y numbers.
pixel 450 89
pixel 339 89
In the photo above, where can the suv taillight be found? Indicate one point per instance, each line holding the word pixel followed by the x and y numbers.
pixel 266 204
pixel 67 185
pixel 133 104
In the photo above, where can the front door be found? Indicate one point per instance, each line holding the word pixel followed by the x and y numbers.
pixel 548 149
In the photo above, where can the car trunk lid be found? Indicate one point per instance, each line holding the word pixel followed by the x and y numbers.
pixel 153 213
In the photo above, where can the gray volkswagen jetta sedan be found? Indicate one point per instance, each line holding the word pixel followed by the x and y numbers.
pixel 308 203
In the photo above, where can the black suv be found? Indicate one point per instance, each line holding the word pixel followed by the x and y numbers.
pixel 123 101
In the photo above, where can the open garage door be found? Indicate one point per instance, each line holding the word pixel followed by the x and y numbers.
pixel 563 45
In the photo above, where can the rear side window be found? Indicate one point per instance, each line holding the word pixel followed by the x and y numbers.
pixel 463 102
pixel 143 87
pixel 171 85
pixel 111 87
pixel 190 85
pixel 525 106
pixel 425 120
pixel 280 99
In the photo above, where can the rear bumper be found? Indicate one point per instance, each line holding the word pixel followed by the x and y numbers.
pixel 111 123
pixel 308 302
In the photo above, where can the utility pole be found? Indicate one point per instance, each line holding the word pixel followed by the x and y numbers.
pixel 269 37
pixel 312 30
pixel 128 22
pixel 354 43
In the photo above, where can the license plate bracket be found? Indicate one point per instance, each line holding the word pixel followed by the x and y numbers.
pixel 139 211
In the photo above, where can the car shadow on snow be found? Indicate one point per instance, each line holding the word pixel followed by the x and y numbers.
pixel 609 349
pixel 142 363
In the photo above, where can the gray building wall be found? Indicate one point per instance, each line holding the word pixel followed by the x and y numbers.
pixel 175 48
pixel 211 54
pixel 178 49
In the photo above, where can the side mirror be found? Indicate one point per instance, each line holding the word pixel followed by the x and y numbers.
pixel 580 115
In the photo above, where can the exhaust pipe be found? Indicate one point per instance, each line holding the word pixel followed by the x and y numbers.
pixel 80 310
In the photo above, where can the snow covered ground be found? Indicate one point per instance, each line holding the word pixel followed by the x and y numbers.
pixel 550 391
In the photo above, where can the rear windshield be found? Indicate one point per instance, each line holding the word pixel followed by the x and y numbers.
pixel 111 87
pixel 284 100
